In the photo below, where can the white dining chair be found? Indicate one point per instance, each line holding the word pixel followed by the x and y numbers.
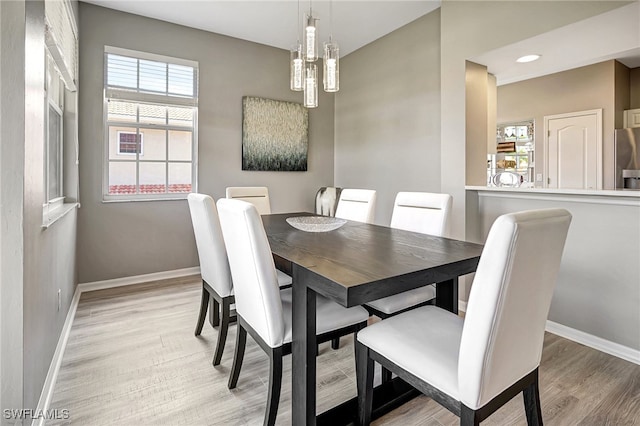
pixel 263 311
pixel 474 366
pixel 256 195
pixel 214 269
pixel 357 204
pixel 423 212
pixel 327 200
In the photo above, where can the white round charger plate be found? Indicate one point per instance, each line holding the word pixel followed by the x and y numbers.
pixel 315 223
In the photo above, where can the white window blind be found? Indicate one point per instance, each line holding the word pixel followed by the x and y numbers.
pixel 148 78
pixel 61 38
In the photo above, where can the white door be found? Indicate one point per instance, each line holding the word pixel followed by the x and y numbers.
pixel 574 150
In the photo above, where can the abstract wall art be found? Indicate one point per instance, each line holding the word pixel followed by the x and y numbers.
pixel 275 135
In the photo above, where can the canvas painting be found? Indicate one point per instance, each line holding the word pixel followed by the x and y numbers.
pixel 275 135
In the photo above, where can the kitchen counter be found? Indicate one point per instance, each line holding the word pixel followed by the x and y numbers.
pixel 602 196
pixel 593 192
pixel 597 298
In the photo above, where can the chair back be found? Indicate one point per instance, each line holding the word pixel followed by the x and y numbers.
pixel 214 265
pixel 256 195
pixel 327 200
pixel 357 204
pixel 509 302
pixel 422 212
pixel 257 294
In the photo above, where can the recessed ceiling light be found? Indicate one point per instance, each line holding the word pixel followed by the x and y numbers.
pixel 528 58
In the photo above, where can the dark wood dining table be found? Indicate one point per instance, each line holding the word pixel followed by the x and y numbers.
pixel 352 265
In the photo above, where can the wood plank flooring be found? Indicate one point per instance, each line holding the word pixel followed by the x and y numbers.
pixel 132 358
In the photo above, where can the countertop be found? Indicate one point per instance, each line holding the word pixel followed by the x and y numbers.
pixel 588 192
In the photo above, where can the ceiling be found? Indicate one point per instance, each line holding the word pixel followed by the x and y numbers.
pixel 355 23
pixel 611 35
pixel 274 23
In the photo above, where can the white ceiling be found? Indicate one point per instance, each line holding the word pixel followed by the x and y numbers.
pixel 355 23
pixel 611 35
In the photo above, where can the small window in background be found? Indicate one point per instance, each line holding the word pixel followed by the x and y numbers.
pixel 128 143
pixel 151 115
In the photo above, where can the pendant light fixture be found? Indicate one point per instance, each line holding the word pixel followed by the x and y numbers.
pixel 297 68
pixel 311 85
pixel 331 71
pixel 297 62
pixel 310 46
pixel 304 72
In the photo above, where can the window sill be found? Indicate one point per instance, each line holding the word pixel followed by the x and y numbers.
pixel 53 216
pixel 127 198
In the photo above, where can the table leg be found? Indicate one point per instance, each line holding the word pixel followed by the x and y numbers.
pixel 447 295
pixel 303 388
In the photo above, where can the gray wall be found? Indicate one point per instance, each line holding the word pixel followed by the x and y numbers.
pixel 387 125
pixel 597 290
pixel 580 89
pixel 634 82
pixel 470 28
pixel 132 238
pixel 50 257
pixel 12 24
pixel 36 262
pixel 477 121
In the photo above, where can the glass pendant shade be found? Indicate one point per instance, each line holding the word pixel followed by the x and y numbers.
pixel 310 86
pixel 331 70
pixel 310 46
pixel 297 68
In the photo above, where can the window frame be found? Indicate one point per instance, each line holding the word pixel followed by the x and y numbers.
pixel 53 203
pixel 141 97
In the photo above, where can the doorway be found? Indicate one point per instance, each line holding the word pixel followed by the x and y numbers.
pixel 573 143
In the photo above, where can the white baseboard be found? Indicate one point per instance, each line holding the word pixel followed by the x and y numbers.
pixel 56 362
pixel 462 305
pixel 138 279
pixel 595 342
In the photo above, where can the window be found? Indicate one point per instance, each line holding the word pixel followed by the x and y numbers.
pixel 60 53
pixel 128 143
pixel 515 153
pixel 54 137
pixel 151 125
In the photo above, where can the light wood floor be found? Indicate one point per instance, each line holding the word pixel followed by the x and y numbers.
pixel 132 359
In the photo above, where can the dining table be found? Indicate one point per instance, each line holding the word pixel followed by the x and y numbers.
pixel 352 265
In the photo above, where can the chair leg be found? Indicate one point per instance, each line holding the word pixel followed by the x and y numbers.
pixel 364 378
pixel 214 314
pixel 335 343
pixel 386 375
pixel 532 403
pixel 222 332
pixel 275 384
pixel 238 357
pixel 204 304
pixel 468 417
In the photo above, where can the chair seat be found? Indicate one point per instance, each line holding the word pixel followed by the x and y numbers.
pixel 329 315
pixel 429 353
pixel 406 300
pixel 283 279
